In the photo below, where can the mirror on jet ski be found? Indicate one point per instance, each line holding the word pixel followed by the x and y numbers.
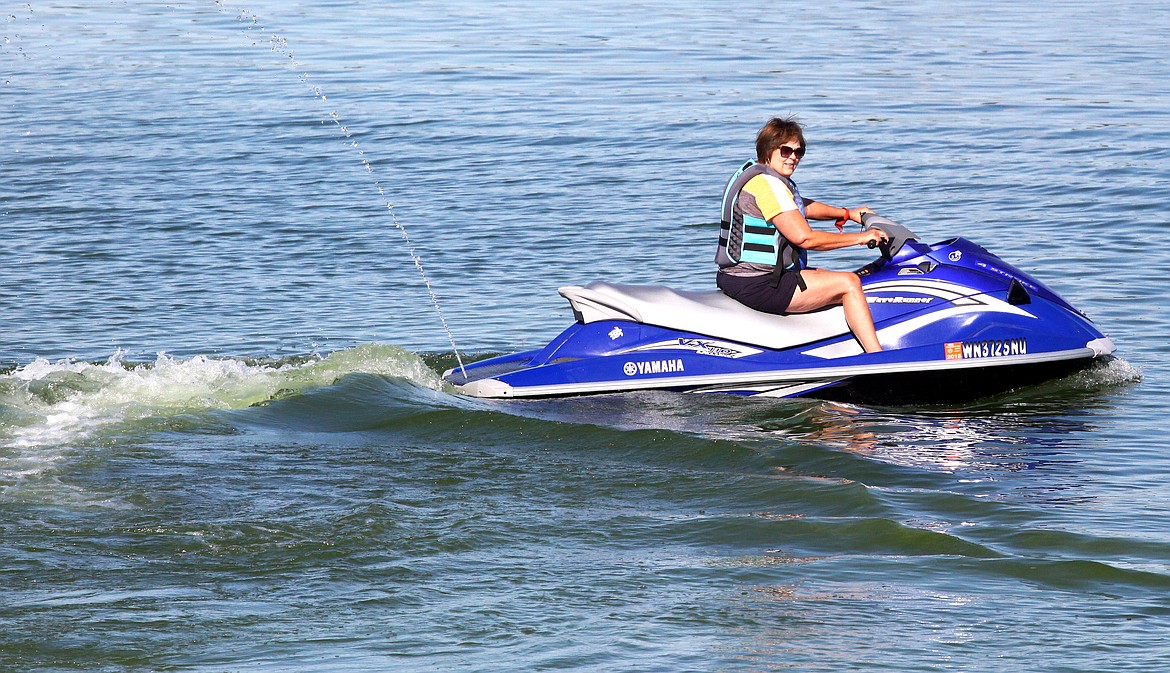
pixel 896 234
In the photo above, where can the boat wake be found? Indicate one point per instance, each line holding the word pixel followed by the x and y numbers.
pixel 53 403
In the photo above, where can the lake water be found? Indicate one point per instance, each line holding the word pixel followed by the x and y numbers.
pixel 225 445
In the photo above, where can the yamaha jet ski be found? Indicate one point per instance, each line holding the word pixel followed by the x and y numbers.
pixel 955 321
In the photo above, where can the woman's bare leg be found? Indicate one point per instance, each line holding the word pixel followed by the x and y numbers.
pixel 826 288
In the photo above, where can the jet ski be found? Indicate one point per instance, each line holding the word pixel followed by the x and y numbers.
pixel 955 321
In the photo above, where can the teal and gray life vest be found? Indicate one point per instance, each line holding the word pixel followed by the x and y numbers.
pixel 744 238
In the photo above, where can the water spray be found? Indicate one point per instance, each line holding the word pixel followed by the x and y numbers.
pixel 280 45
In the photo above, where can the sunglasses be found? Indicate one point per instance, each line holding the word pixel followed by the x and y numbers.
pixel 786 151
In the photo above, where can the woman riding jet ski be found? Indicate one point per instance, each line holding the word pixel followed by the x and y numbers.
pixel 947 322
pixel 764 238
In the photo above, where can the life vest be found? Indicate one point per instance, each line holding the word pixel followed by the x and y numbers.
pixel 744 238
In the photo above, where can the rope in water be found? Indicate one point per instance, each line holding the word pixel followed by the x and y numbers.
pixel 280 45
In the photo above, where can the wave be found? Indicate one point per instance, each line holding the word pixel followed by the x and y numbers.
pixel 807 479
pixel 52 403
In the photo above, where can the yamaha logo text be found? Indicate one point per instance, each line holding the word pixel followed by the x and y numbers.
pixel 653 367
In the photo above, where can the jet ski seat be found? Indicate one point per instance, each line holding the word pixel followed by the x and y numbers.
pixel 709 313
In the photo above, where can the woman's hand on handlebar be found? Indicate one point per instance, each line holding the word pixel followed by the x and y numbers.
pixel 856 213
pixel 872 238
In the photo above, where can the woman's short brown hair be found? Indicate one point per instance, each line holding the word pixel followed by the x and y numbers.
pixel 774 134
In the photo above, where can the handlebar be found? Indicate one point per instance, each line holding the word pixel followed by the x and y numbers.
pixel 896 234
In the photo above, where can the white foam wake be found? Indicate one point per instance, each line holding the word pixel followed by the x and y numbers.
pixel 50 403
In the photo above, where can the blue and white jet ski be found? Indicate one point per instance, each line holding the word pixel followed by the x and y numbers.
pixel 956 322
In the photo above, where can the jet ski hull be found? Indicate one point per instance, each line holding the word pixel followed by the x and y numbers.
pixel 956 322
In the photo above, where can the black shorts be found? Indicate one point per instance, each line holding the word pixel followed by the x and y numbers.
pixel 757 291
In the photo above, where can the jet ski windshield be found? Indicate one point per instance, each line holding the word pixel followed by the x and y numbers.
pixel 897 234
